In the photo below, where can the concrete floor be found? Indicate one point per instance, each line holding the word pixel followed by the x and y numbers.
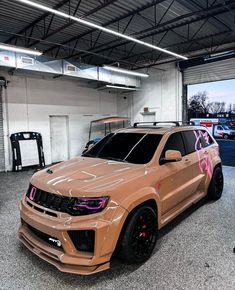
pixel 195 251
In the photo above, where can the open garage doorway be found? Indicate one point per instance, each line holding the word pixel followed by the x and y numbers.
pixel 212 104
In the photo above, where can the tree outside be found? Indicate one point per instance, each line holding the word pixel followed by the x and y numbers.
pixel 199 105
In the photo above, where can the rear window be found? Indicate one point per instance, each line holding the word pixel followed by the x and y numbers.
pixel 135 148
pixel 204 138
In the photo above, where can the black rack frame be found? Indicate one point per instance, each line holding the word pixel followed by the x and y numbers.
pixel 154 124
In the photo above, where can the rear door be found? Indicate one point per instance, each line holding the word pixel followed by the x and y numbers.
pixel 195 151
pixel 205 152
pixel 175 183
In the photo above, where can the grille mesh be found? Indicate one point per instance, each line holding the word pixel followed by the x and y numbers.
pixel 52 201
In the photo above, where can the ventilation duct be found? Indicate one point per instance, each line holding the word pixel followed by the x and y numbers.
pixel 44 65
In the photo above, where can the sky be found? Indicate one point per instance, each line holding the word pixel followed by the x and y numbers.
pixel 221 91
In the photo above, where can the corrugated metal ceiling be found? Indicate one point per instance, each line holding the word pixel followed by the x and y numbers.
pixel 182 26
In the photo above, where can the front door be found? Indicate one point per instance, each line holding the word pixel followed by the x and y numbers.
pixel 175 183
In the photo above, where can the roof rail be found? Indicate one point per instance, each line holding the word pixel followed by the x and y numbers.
pixel 176 123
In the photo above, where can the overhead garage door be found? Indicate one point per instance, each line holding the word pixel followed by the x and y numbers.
pixel 2 159
pixel 209 72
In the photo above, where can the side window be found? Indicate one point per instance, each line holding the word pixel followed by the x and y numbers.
pixel 190 141
pixel 174 142
pixel 219 128
pixel 205 138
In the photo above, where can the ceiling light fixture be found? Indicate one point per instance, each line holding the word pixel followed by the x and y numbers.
pixel 19 49
pixel 125 71
pixel 93 25
pixel 121 88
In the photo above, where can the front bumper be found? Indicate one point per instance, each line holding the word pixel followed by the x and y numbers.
pixel 107 226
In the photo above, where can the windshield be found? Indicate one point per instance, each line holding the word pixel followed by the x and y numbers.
pixel 135 148
pixel 225 127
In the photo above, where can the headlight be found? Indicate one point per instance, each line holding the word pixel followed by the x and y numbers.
pixel 88 205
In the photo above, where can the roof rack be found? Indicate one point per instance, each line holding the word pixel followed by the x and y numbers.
pixel 176 123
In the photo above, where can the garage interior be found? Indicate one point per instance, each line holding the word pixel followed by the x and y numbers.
pixel 171 44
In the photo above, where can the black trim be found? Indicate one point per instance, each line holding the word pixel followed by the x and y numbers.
pixel 43 236
pixel 83 240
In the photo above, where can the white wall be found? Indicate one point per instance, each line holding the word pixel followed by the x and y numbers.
pixel 29 101
pixel 161 92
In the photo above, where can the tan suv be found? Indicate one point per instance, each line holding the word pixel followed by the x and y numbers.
pixel 118 195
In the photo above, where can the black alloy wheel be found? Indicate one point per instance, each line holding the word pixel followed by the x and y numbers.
pixel 140 235
pixel 216 184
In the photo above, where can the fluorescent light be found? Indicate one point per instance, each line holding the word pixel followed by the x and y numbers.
pixel 93 25
pixel 121 88
pixel 19 49
pixel 124 71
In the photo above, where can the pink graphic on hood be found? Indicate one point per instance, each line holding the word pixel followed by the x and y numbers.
pixel 205 163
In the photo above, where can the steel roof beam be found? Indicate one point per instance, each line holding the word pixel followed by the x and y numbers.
pixel 115 20
pixel 134 57
pixel 153 63
pixel 39 19
pixel 92 11
pixel 174 23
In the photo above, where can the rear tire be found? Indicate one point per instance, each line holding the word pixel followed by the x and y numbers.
pixel 139 235
pixel 216 185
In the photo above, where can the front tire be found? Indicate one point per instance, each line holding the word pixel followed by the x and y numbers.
pixel 139 235
pixel 216 184
pixel 226 136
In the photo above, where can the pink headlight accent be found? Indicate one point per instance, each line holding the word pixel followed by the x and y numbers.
pixel 102 201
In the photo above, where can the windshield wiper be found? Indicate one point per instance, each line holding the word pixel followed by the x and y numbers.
pixel 87 155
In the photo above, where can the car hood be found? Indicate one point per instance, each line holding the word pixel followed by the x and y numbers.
pixel 86 176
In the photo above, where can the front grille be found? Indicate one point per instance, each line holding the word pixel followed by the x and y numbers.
pixel 83 240
pixel 49 200
pixel 45 237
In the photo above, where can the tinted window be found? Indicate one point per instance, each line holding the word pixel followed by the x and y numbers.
pixel 174 142
pixel 98 146
pixel 130 147
pixel 189 141
pixel 119 145
pixel 145 150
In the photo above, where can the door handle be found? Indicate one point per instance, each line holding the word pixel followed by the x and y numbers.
pixel 187 160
